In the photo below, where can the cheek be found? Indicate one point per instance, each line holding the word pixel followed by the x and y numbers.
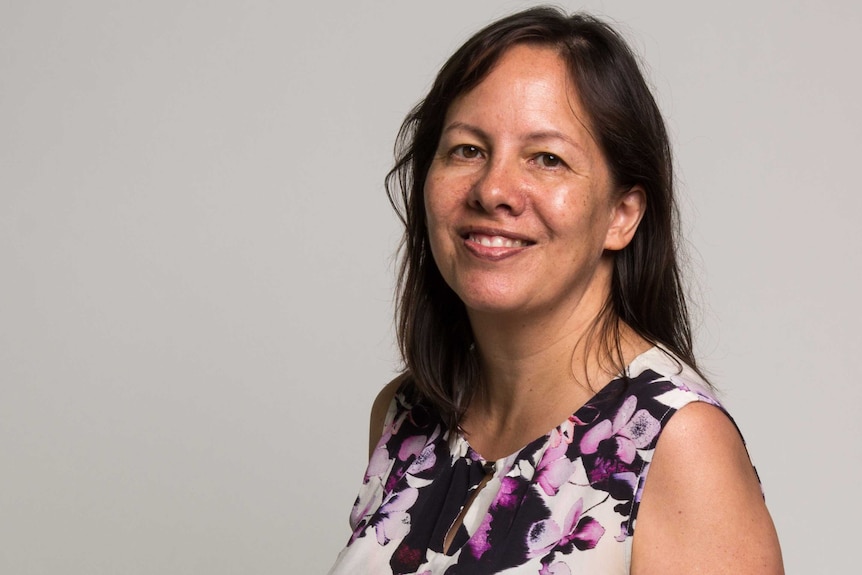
pixel 438 199
pixel 577 215
pixel 561 201
pixel 435 215
pixel 565 209
pixel 432 209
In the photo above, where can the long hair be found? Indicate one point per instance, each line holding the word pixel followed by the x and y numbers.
pixel 434 333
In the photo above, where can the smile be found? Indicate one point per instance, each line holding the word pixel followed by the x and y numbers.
pixel 496 241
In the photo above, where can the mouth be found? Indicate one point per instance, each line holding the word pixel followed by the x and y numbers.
pixel 494 244
pixel 496 241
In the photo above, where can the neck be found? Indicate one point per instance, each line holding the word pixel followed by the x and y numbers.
pixel 537 369
pixel 539 366
pixel 519 357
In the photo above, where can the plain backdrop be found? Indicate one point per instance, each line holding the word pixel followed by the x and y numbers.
pixel 197 260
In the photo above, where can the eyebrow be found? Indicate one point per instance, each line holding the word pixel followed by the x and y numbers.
pixel 553 135
pixel 476 131
pixel 531 137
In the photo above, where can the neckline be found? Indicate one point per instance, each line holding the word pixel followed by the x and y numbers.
pixel 581 411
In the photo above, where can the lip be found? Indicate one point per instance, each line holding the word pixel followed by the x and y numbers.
pixel 498 252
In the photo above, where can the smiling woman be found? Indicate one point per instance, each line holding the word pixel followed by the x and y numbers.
pixel 549 366
pixel 517 187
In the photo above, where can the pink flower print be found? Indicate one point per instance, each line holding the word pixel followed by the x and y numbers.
pixel 412 446
pixel 425 460
pixel 555 468
pixel 363 509
pixel 393 521
pixel 478 543
pixel 564 432
pixel 632 430
pixel 558 568
pixel 542 537
pixel 379 463
pixel 507 497
pixel 582 532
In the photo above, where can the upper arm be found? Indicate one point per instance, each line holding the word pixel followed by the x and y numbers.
pixel 379 409
pixel 702 508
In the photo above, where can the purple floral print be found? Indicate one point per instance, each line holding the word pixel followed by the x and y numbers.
pixel 630 429
pixel 546 510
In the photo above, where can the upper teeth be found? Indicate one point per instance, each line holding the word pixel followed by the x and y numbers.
pixel 497 241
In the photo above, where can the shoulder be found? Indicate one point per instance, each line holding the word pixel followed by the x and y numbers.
pixel 380 408
pixel 661 383
pixel 702 506
pixel 684 382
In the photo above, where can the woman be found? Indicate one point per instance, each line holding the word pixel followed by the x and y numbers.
pixel 539 291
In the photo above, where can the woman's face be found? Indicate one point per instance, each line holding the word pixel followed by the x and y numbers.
pixel 519 200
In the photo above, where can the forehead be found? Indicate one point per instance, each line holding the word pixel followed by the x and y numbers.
pixel 529 87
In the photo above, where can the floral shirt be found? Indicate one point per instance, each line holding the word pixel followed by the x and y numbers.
pixel 566 503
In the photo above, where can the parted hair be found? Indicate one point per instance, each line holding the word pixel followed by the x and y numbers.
pixel 433 330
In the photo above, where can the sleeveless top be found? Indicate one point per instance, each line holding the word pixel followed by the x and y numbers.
pixel 566 503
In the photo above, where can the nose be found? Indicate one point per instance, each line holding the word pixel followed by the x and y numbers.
pixel 500 188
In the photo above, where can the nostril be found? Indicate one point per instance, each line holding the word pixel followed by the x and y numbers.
pixel 499 189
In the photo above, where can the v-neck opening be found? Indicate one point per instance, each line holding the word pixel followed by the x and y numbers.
pixel 579 414
pixel 505 466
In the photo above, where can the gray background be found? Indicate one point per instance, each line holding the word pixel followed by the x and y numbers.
pixel 197 261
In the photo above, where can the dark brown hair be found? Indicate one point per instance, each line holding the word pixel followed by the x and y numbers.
pixel 434 332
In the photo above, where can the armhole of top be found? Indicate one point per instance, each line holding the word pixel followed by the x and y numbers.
pixel 642 476
pixel 671 411
pixel 391 411
pixel 394 387
pixel 715 403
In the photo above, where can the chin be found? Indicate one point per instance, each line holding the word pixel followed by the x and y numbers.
pixel 493 303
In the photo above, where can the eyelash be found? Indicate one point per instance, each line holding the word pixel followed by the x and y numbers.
pixel 471 152
pixel 458 151
pixel 559 163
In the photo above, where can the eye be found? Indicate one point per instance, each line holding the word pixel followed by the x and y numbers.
pixel 548 160
pixel 466 152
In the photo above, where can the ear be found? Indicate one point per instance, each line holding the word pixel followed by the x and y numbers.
pixel 626 214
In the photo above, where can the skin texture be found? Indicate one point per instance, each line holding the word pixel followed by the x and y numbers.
pixel 702 509
pixel 517 168
pixel 516 162
pixel 524 166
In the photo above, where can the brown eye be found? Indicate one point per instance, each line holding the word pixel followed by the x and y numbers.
pixel 467 152
pixel 549 160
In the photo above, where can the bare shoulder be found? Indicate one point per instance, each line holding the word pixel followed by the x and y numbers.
pixel 379 409
pixel 702 508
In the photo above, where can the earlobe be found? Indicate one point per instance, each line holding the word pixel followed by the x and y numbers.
pixel 625 218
